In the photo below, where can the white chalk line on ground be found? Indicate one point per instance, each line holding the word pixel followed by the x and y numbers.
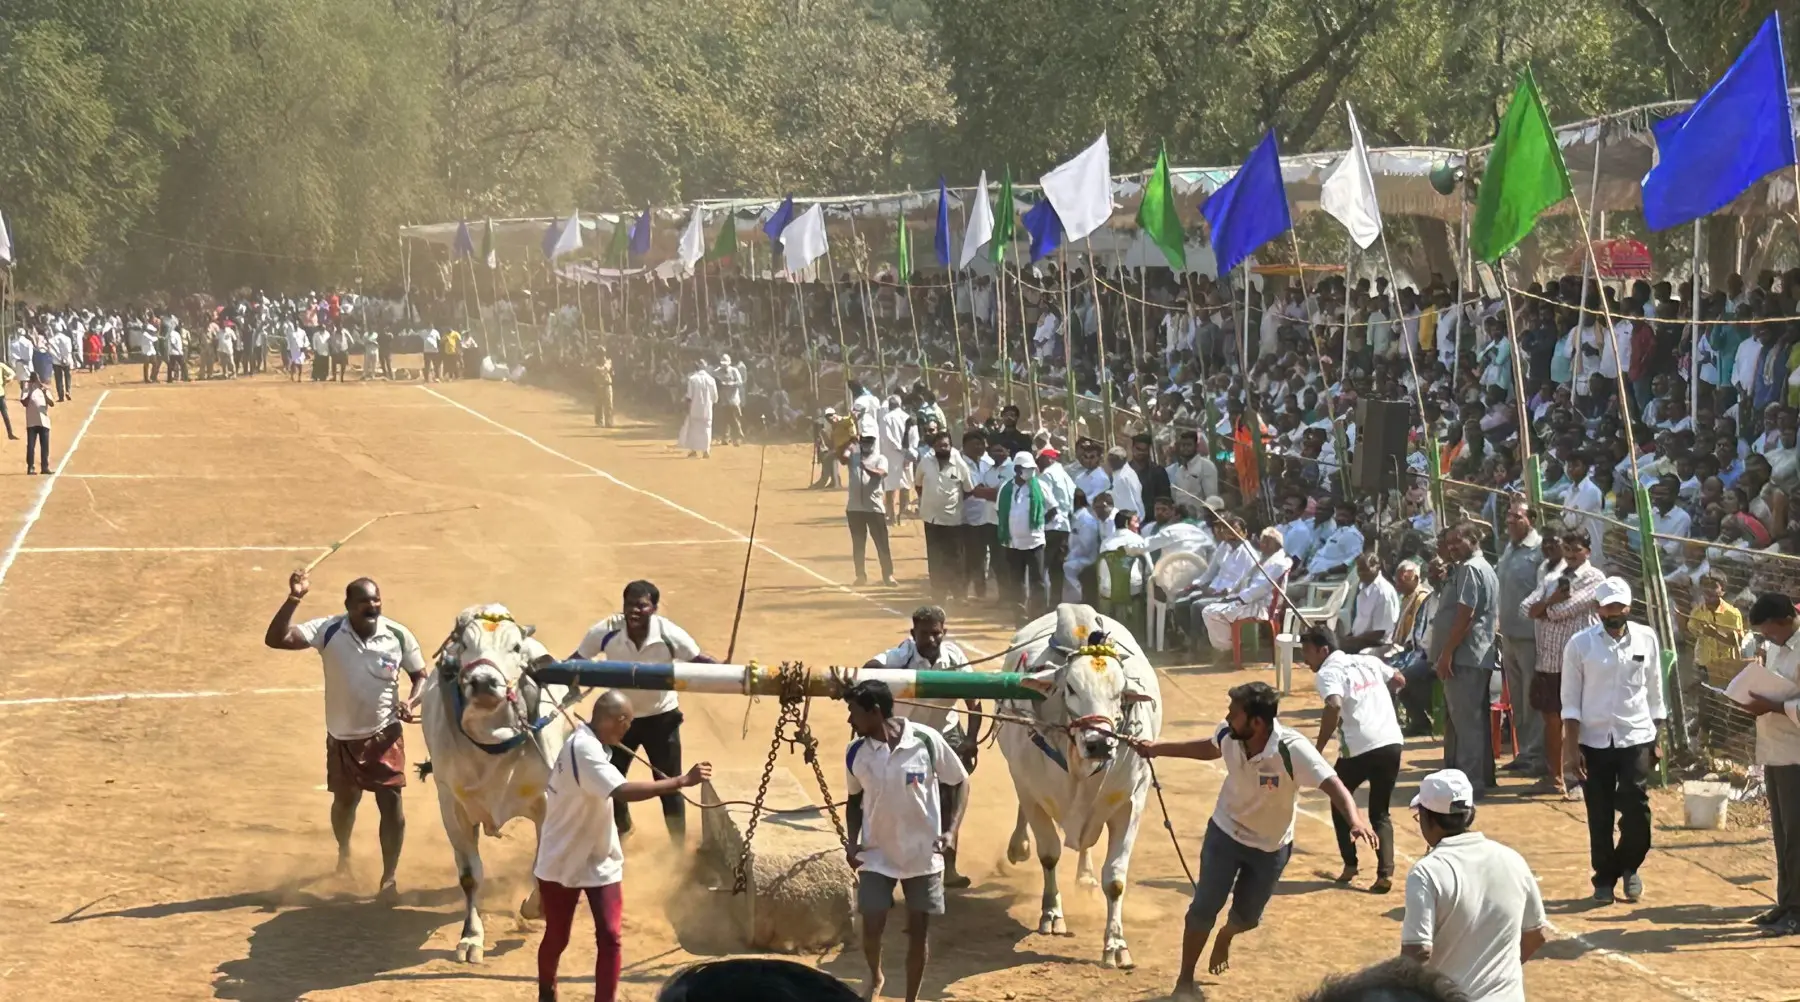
pixel 121 696
pixel 319 547
pixel 736 535
pixel 37 506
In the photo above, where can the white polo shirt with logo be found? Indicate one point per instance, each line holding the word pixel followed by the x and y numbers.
pixel 578 843
pixel 902 815
pixel 362 677
pixel 663 643
pixel 1257 799
pixel 1469 900
pixel 1367 716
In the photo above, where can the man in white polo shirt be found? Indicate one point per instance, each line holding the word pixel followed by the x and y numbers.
pixel 1473 911
pixel 1612 709
pixel 640 635
pixel 431 345
pixel 1251 833
pixel 578 843
pixel 900 825
pixel 363 653
pixel 927 648
pixel 1355 688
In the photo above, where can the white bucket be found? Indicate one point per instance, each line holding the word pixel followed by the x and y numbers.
pixel 1704 803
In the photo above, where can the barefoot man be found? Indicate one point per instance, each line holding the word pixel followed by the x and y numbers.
pixel 1251 834
pixel 901 825
pixel 363 653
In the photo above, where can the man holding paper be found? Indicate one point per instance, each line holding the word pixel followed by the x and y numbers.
pixel 1778 748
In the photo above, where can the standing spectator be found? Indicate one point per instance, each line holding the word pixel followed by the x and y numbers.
pixel 603 391
pixel 640 634
pixel 1023 507
pixel 1778 752
pixel 977 533
pixel 1193 476
pixel 945 481
pixel 1517 573
pixel 62 363
pixel 6 376
pixel 701 392
pixel 731 401
pixel 37 422
pixel 225 348
pixel 900 825
pixel 579 851
pixel 340 354
pixel 175 346
pixel 865 471
pixel 1561 606
pixel 1613 717
pixel 1717 629
pixel 431 344
pixel 1250 836
pixel 1061 488
pixel 899 439
pixel 1462 641
pixel 1355 690
pixel 1473 910
pixel 1153 480
pixel 371 353
pixel 1127 491
pixel 321 355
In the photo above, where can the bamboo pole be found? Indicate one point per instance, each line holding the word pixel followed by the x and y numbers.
pixel 1106 401
pixel 1074 400
pixel 1031 380
pixel 871 323
pixel 1338 443
pixel 837 316
pixel 1694 323
pixel 962 368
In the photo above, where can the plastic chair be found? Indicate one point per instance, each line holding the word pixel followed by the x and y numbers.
pixel 1318 601
pixel 1171 574
pixel 1115 596
pixel 1256 625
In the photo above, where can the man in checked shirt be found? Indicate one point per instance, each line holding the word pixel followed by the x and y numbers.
pixel 1562 606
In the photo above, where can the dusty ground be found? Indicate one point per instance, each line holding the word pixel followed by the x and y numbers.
pixel 177 846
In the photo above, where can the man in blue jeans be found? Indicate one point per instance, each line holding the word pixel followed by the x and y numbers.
pixel 1251 834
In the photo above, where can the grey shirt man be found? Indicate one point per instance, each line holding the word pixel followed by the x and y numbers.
pixel 1517 571
pixel 865 476
pixel 1471 583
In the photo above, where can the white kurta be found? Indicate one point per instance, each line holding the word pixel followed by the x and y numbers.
pixel 696 431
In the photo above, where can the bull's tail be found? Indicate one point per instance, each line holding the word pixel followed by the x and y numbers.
pixel 424 770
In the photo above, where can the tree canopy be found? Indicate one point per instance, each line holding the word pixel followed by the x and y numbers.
pixel 182 145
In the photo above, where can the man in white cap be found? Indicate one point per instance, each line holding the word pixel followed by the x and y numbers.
pixel 1023 509
pixel 1612 710
pixel 1473 911
pixel 731 400
pixel 696 430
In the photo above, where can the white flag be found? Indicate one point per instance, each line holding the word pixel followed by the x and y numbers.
pixel 692 246
pixel 5 242
pixel 568 241
pixel 980 229
pixel 803 241
pixel 1348 191
pixel 1081 191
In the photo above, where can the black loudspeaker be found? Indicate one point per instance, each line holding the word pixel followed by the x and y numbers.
pixel 1381 431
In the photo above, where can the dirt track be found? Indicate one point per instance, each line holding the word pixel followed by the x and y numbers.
pixel 178 846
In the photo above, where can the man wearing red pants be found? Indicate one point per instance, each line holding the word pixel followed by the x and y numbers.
pixel 578 843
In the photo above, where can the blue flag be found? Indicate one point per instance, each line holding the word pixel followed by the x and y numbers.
pixel 1046 230
pixel 778 222
pixel 942 243
pixel 640 235
pixel 465 243
pixel 1735 135
pixel 1249 210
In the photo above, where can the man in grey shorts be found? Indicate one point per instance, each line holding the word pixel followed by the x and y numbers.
pixel 906 804
pixel 1251 834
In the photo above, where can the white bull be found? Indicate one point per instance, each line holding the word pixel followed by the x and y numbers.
pixel 1069 772
pixel 492 734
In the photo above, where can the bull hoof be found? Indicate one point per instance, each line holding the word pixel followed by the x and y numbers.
pixel 1047 925
pixel 1018 851
pixel 531 908
pixel 470 953
pixel 1120 958
pixel 1109 958
pixel 1059 927
pixel 1086 878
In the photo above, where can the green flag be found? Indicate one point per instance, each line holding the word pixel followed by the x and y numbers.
pixel 490 256
pixel 1003 220
pixel 903 253
pixel 725 247
pixel 618 253
pixel 1157 216
pixel 1525 175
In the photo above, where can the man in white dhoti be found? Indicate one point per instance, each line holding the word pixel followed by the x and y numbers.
pixel 1251 600
pixel 899 441
pixel 696 431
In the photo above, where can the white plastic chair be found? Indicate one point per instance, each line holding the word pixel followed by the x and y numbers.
pixel 1318 601
pixel 1171 574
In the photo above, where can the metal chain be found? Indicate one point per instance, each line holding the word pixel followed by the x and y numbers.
pixel 794 706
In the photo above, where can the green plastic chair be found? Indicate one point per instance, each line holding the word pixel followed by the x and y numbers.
pixel 1122 606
